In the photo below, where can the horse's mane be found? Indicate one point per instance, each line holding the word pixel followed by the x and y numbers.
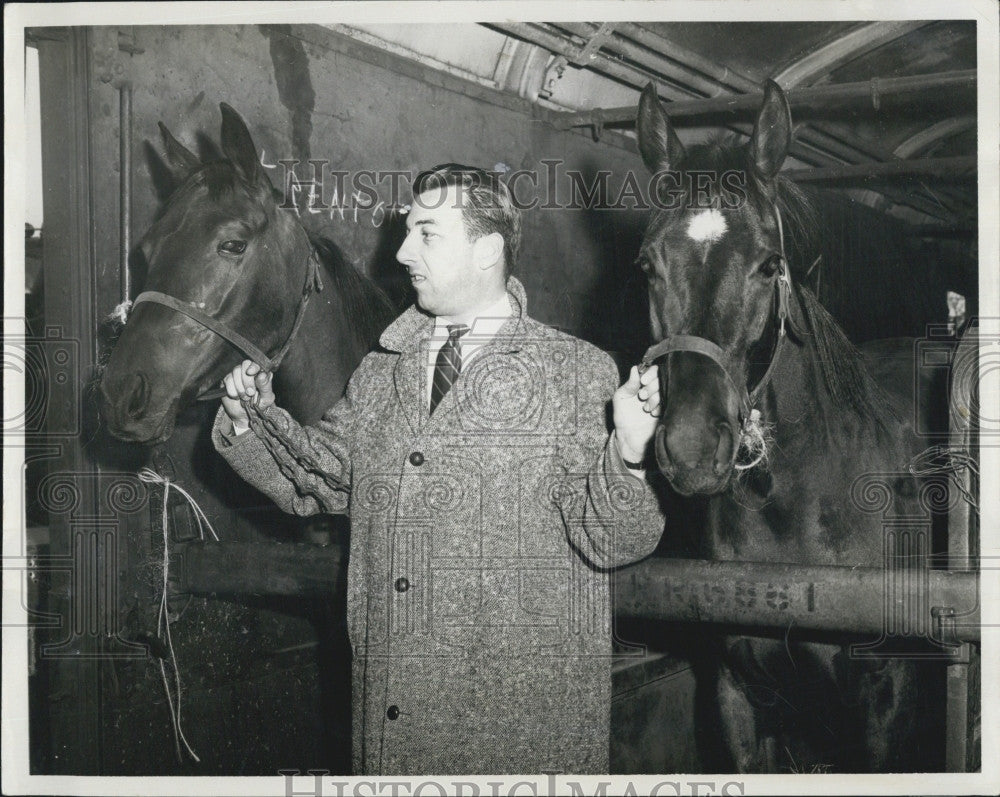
pixel 370 308
pixel 843 369
pixel 840 363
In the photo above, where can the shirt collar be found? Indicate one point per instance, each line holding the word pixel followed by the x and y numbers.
pixel 413 326
pixel 486 324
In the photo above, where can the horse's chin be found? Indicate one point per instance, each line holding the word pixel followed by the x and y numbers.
pixel 691 484
pixel 129 436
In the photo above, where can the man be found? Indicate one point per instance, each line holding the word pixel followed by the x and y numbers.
pixel 487 501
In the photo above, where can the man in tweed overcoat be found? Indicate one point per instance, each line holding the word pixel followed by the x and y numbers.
pixel 482 532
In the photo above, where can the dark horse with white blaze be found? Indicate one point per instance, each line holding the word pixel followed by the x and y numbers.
pixel 231 275
pixel 754 372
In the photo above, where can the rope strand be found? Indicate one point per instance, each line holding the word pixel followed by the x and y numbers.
pixel 943 460
pixel 149 476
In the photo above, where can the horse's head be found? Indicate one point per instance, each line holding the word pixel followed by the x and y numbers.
pixel 223 247
pixel 713 255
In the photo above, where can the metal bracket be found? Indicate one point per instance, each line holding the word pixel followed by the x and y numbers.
pixel 583 57
pixel 945 632
pixel 110 65
pixel 552 74
pixel 588 52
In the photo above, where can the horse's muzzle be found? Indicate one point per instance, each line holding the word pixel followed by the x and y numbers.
pixel 125 408
pixel 696 462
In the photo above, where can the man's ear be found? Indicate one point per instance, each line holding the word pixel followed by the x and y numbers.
pixel 487 251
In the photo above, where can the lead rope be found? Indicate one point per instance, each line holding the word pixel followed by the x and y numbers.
pixel 286 453
pixel 149 476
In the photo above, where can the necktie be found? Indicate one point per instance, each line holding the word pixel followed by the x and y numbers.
pixel 448 365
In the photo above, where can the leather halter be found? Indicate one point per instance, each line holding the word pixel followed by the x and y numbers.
pixel 692 343
pixel 253 352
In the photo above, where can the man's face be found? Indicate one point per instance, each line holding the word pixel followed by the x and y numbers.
pixel 439 256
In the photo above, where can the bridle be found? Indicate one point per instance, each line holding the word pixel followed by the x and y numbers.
pixel 252 351
pixel 748 398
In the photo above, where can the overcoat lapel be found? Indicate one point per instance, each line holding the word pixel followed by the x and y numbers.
pixel 411 387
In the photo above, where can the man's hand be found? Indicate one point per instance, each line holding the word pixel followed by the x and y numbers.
pixel 636 407
pixel 246 381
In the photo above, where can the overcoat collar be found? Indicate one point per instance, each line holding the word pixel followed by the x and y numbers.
pixel 408 335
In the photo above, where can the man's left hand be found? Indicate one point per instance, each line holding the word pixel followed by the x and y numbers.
pixel 636 406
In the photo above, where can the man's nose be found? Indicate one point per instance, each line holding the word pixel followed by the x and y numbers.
pixel 405 252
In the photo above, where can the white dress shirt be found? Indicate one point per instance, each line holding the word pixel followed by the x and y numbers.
pixel 483 327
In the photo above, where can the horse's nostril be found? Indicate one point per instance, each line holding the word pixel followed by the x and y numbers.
pixel 138 397
pixel 724 450
pixel 662 453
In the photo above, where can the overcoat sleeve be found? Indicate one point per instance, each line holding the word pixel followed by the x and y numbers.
pixel 612 515
pixel 305 470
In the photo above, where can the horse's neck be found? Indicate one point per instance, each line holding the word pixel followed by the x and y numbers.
pixel 320 360
pixel 798 401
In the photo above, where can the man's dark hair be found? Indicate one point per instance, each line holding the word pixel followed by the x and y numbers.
pixel 485 202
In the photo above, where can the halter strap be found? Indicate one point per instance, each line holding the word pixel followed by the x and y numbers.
pixel 251 350
pixel 707 348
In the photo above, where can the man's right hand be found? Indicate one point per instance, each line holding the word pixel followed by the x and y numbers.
pixel 246 381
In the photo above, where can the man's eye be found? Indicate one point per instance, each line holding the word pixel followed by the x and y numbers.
pixel 233 247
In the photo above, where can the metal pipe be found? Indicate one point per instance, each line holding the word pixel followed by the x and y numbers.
pixel 821 598
pixel 811 145
pixel 560 46
pixel 956 167
pixel 958 84
pixel 125 188
pixel 961 551
pixel 688 80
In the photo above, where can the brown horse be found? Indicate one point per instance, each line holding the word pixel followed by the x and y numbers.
pixel 233 275
pixel 771 420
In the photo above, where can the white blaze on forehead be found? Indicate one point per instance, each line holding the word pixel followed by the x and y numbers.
pixel 707 226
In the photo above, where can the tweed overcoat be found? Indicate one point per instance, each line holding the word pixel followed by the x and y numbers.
pixel 479 606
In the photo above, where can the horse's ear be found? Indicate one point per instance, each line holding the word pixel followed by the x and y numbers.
pixel 180 160
pixel 238 146
pixel 660 147
pixel 772 134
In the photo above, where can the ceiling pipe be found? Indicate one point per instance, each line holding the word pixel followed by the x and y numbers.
pixel 961 84
pixel 812 146
pixel 956 168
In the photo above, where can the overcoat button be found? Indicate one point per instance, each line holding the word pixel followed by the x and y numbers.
pixel 416 458
pixel 402 584
pixel 392 712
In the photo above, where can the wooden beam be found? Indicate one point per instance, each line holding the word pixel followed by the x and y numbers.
pixel 960 85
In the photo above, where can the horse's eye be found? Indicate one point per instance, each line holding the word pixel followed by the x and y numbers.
pixel 232 247
pixel 644 264
pixel 770 266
